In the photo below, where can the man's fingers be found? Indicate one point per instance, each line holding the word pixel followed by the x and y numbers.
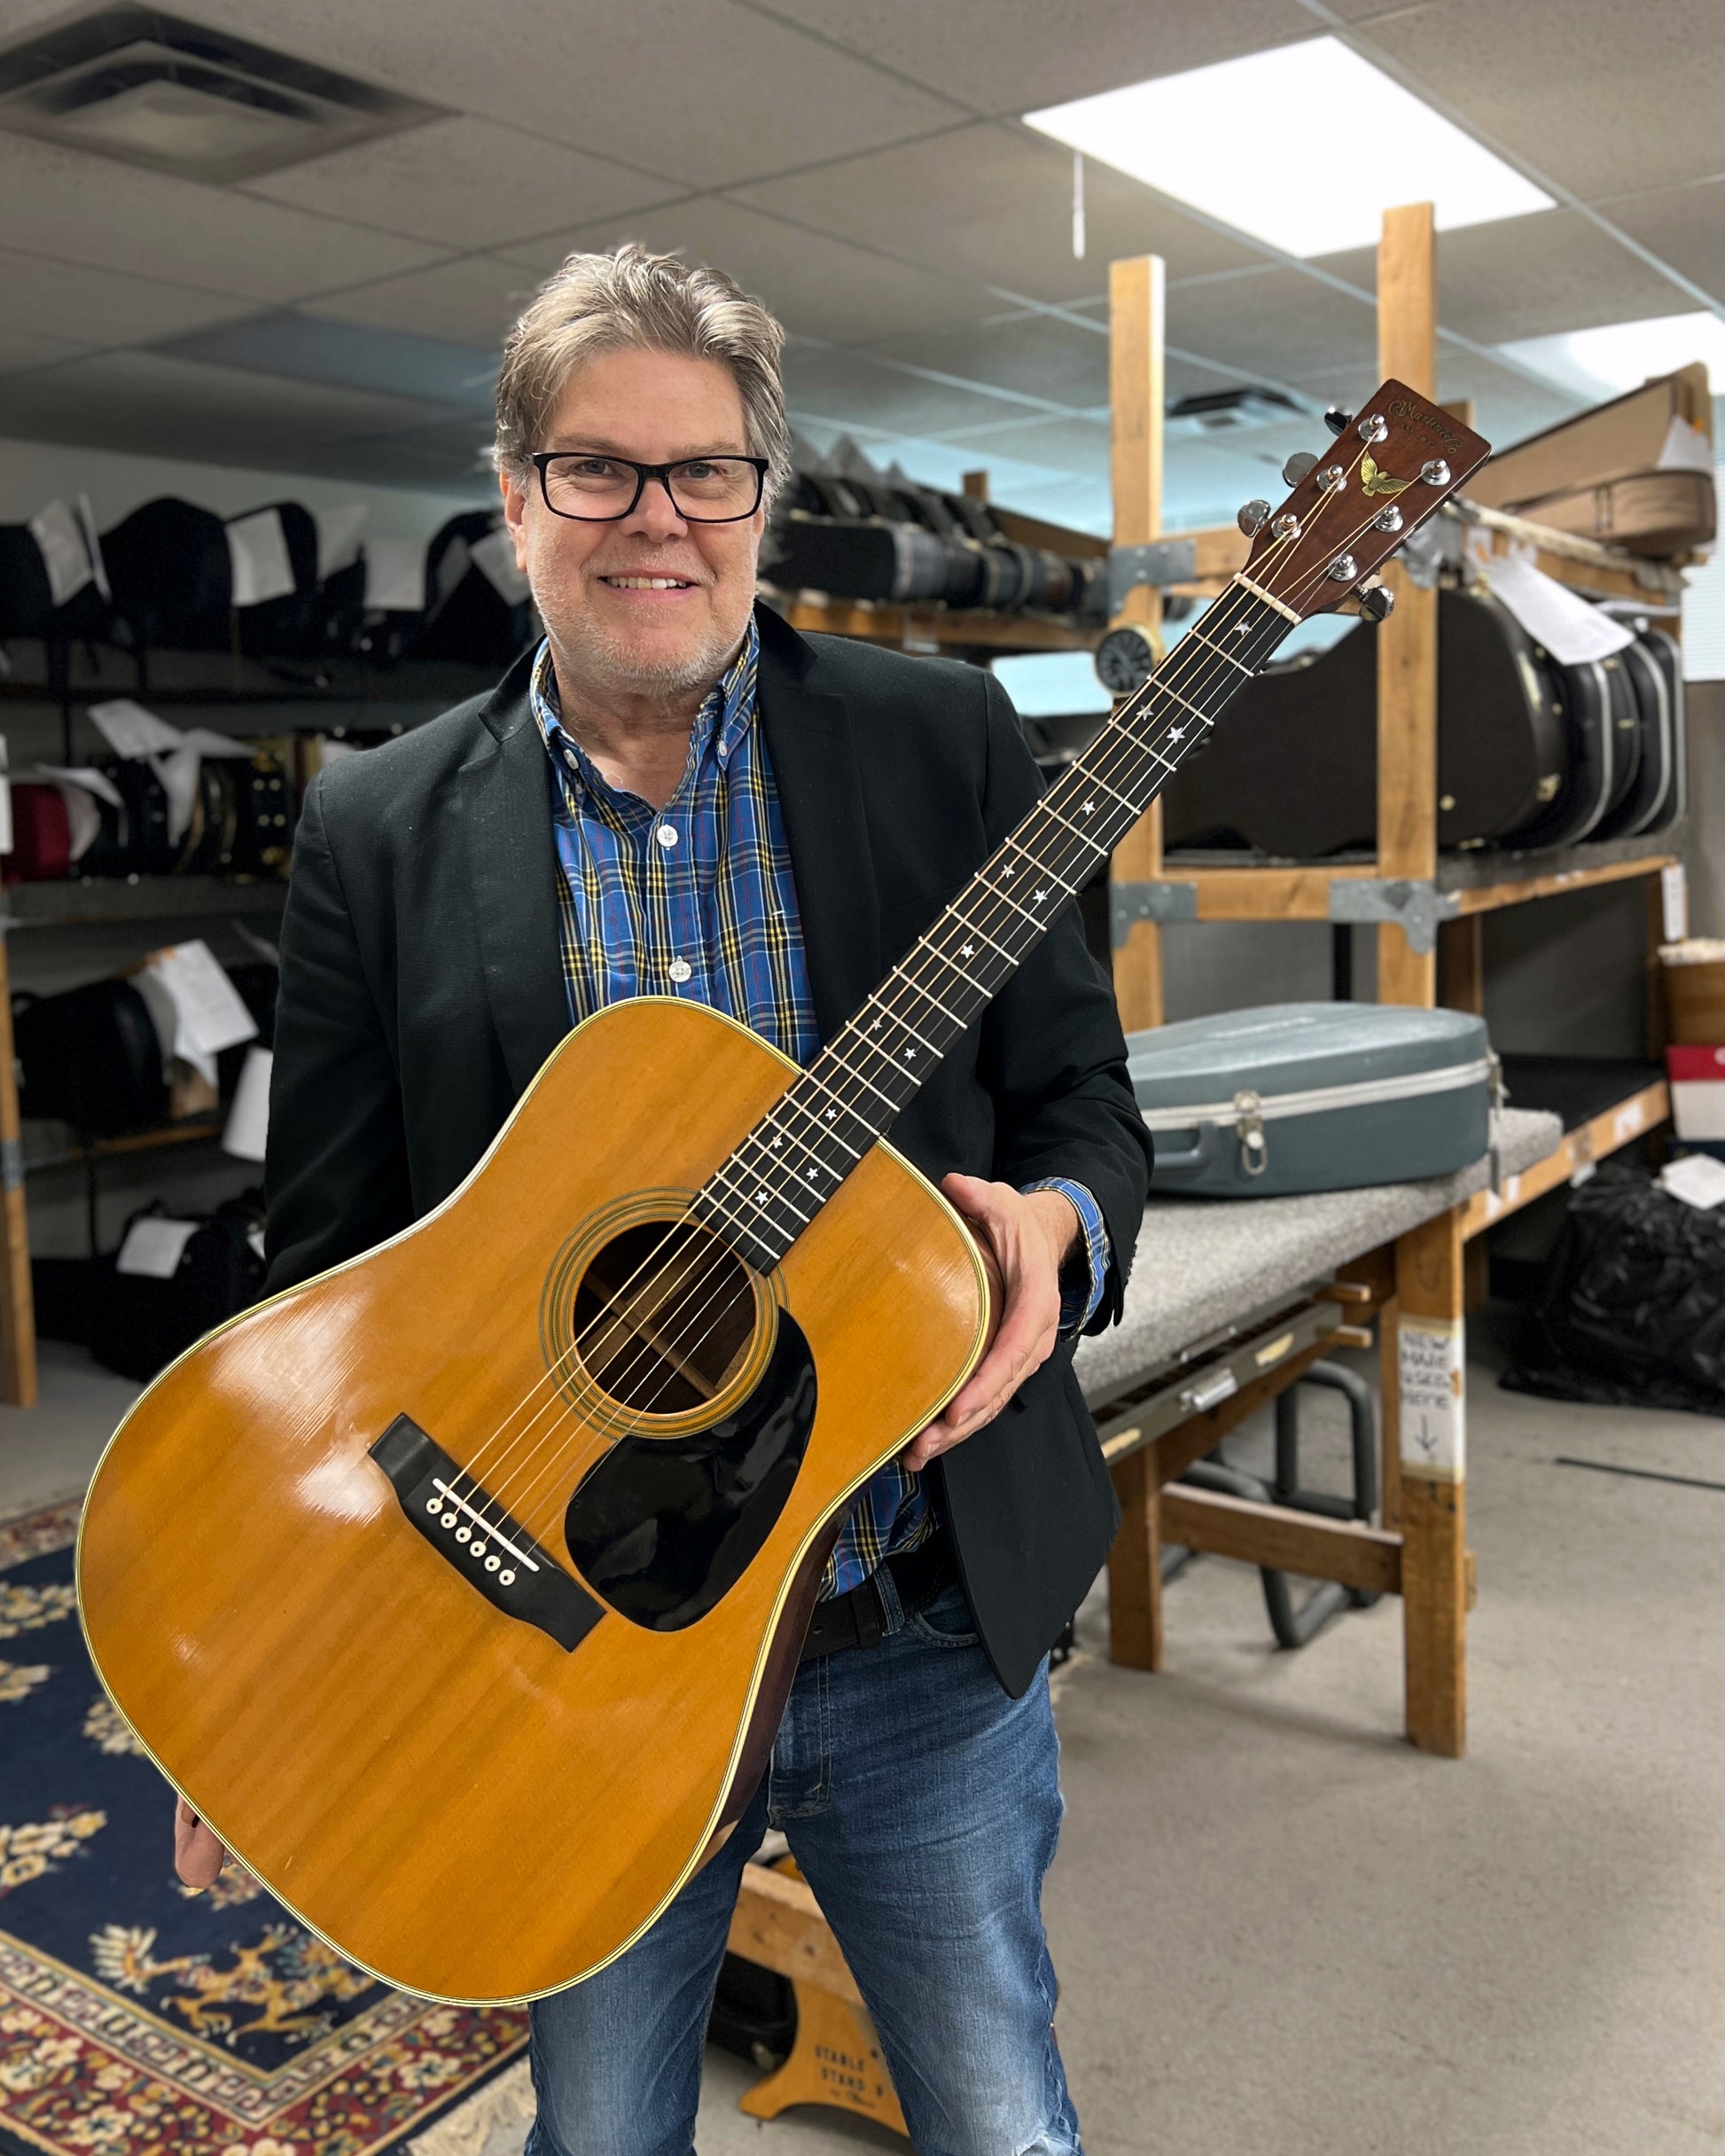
pixel 198 1856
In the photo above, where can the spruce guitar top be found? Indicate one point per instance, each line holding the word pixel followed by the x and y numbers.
pixel 460 1588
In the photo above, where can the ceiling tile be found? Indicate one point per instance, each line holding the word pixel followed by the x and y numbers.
pixel 63 299
pixel 462 183
pixel 447 458
pixel 1507 404
pixel 1272 327
pixel 848 389
pixel 1080 447
pixel 702 90
pixel 21 348
pixel 145 404
pixel 1038 355
pixel 818 288
pixel 472 300
pixel 1685 226
pixel 88 209
pixel 1526 276
pixel 1012 58
pixel 994 204
pixel 1602 98
pixel 350 355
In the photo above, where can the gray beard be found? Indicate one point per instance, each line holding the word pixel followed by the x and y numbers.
pixel 607 662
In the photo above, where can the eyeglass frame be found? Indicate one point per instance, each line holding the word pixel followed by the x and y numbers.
pixel 541 459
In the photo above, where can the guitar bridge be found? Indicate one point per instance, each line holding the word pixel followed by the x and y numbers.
pixel 472 1533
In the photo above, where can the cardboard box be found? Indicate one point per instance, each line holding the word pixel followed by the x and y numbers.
pixel 1665 425
pixel 1698 1093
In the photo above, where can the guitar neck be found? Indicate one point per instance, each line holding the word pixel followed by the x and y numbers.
pixel 797 1156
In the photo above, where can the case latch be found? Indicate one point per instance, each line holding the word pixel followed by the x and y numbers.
pixel 1249 1129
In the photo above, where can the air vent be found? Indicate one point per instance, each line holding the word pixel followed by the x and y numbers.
pixel 132 82
pixel 1226 411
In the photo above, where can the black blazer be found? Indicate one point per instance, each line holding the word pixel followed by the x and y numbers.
pixel 422 989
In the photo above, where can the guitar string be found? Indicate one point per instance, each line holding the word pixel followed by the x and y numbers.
pixel 1209 662
pixel 725 1259
pixel 491 1461
pixel 1134 747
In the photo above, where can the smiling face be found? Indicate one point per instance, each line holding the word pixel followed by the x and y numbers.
pixel 652 605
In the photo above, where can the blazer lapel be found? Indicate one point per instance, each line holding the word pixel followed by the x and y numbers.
pixel 820 792
pixel 512 867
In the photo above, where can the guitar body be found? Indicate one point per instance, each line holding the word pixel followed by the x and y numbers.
pixel 468 1658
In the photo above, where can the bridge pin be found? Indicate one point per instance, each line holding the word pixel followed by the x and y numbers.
pixel 478 1550
pixel 492 1563
pixel 448 1520
pixel 433 1504
pixel 462 1534
pixel 506 1579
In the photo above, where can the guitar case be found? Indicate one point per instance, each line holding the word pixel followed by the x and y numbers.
pixel 1292 768
pixel 290 626
pixel 466 617
pixel 1650 513
pixel 263 837
pixel 138 1323
pixel 1296 1097
pixel 171 575
pixel 27 595
pixel 148 850
pixel 91 1056
pixel 41 834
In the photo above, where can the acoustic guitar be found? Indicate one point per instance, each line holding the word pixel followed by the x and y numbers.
pixel 460 1588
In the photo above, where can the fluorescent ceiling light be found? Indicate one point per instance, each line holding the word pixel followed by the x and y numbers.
pixel 1595 363
pixel 1305 146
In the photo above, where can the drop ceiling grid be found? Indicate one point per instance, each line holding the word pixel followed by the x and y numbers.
pixel 844 157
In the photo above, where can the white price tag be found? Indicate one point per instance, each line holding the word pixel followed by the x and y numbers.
pixel 155 1247
pixel 1674 900
pixel 130 730
pixel 395 574
pixel 338 535
pixel 208 1014
pixel 258 556
pixel 494 557
pixel 1432 1383
pixel 60 539
pixel 247 1133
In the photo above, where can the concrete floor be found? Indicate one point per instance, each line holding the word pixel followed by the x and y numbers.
pixel 1280 1932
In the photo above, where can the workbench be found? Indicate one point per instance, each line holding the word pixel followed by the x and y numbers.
pixel 1229 1302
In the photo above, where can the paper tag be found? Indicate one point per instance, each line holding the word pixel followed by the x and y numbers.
pixel 1585 1172
pixel 130 730
pixel 494 556
pixel 1673 900
pixel 155 1247
pixel 1570 629
pixel 255 1243
pixel 339 533
pixel 208 742
pixel 247 1132
pixel 257 553
pixel 1432 1383
pixel 1698 1179
pixel 395 574
pixel 1686 447
pixel 81 775
pixel 208 1013
pixel 60 539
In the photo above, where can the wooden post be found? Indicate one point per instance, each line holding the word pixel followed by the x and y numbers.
pixel 1431 1383
pixel 1462 964
pixel 976 485
pixel 1136 392
pixel 18 1321
pixel 1135 1566
pixel 1407 642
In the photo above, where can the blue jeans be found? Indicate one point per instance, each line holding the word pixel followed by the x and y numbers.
pixel 923 1806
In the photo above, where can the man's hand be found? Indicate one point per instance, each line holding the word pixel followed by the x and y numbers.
pixel 198 1856
pixel 1023 1241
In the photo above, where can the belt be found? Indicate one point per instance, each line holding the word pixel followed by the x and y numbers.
pixel 859 1619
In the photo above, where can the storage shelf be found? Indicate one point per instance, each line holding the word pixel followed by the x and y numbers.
pixel 935 628
pixel 188 1130
pixel 147 898
pixel 1605 1132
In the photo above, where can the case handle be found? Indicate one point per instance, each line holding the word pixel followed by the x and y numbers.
pixel 1190 1163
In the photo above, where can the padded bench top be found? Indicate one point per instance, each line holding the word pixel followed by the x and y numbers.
pixel 1204 1263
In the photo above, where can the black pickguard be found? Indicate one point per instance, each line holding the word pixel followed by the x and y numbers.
pixel 664 1528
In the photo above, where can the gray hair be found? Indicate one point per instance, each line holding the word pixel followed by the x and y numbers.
pixel 654 303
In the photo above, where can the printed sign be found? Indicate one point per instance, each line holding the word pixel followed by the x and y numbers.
pixel 1432 1383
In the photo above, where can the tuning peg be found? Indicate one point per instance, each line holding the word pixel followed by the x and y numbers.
pixel 1377 601
pixel 1297 466
pixel 1436 474
pixel 1252 518
pixel 1338 420
pixel 1343 570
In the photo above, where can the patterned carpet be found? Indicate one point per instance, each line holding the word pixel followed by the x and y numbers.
pixel 136 2019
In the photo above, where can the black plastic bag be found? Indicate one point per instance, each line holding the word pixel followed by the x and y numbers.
pixel 1631 1311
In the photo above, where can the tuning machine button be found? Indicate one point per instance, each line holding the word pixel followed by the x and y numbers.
pixel 1252 518
pixel 1338 420
pixel 1333 479
pixel 1285 526
pixel 1373 428
pixel 1298 465
pixel 1436 474
pixel 1343 570
pixel 1387 519
pixel 1377 601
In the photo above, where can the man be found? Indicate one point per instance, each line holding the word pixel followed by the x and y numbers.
pixel 675 794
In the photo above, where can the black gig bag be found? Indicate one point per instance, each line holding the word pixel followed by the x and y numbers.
pixel 138 1323
pixel 91 1056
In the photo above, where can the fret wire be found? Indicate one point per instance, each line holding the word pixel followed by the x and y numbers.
pixel 893 1105
pixel 736 1165
pixel 1074 829
pixel 1220 653
pixel 928 994
pixel 981 878
pixel 972 929
pixel 789 1100
pixel 1041 866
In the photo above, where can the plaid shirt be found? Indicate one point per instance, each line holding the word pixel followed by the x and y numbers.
pixel 697 900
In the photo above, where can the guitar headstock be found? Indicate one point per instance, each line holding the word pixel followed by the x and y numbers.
pixel 1389 467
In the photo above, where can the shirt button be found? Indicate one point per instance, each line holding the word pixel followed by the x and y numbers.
pixel 680 970
pixel 569 758
pixel 666 835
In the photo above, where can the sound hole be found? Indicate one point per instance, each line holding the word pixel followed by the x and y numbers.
pixel 663 1317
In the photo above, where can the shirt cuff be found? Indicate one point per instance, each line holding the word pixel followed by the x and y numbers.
pixel 1085 1273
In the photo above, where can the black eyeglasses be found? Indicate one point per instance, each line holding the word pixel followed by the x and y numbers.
pixel 595 489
